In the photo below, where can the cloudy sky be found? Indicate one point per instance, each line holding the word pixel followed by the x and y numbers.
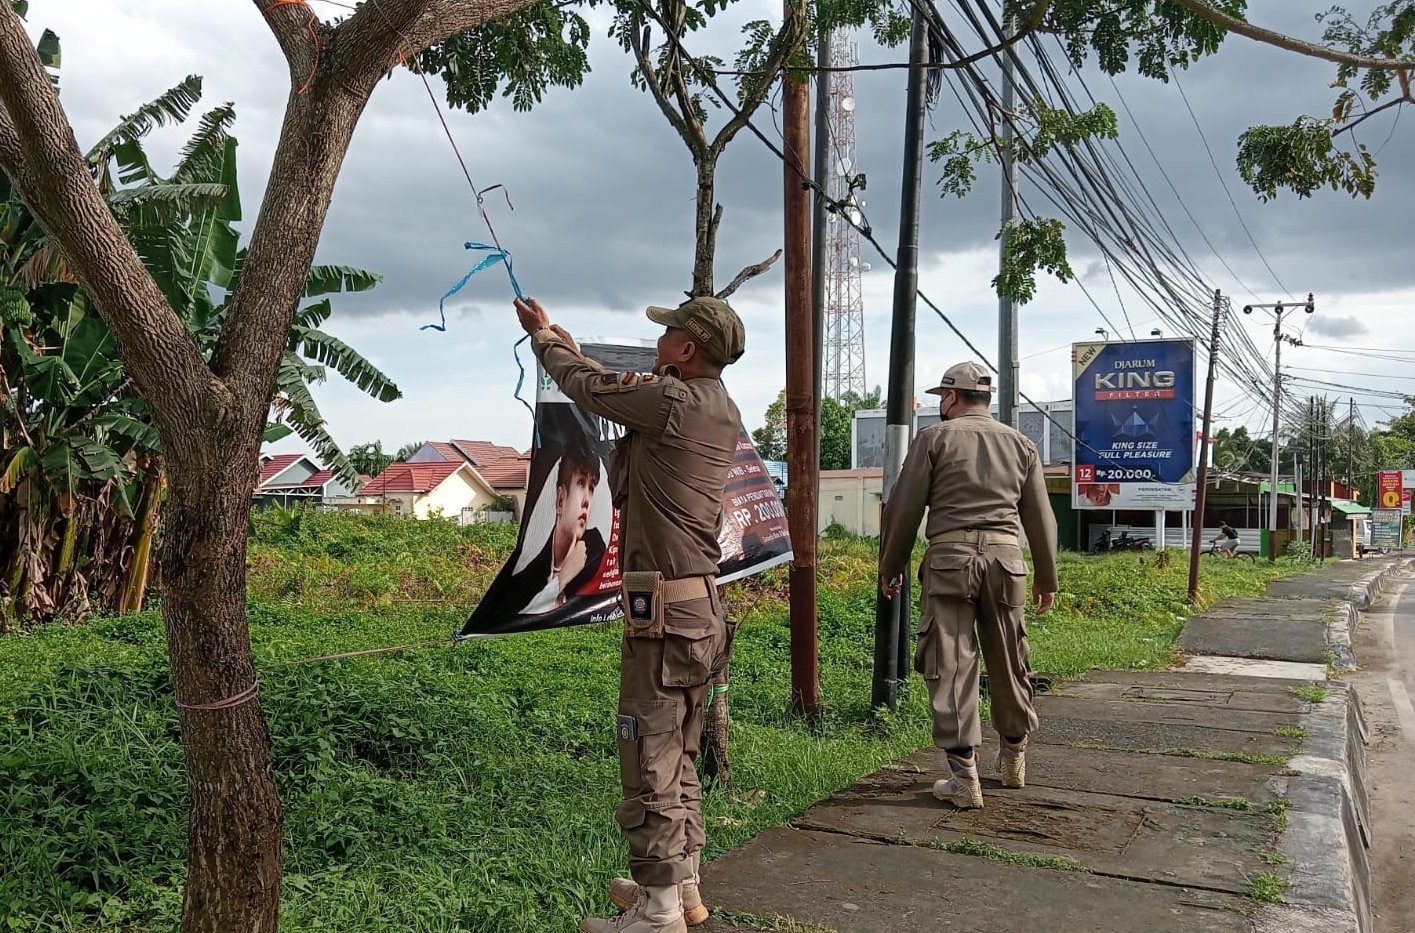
pixel 603 218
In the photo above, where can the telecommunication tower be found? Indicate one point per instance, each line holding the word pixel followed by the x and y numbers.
pixel 844 348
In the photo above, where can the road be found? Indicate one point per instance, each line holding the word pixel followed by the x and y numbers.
pixel 1385 649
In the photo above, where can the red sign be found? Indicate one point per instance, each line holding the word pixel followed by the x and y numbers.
pixel 1085 473
pixel 1390 489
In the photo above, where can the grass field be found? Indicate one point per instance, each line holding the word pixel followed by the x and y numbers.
pixel 442 788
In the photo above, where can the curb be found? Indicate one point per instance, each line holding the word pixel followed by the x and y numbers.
pixel 1328 825
pixel 1329 821
pixel 1360 596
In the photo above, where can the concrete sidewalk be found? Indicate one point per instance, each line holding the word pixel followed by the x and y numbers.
pixel 1156 801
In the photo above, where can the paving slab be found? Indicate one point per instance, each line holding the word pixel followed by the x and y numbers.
pixel 1189 680
pixel 1274 701
pixel 1299 636
pixel 1140 840
pixel 1161 738
pixel 1165 712
pixel 845 884
pixel 1249 667
pixel 1103 771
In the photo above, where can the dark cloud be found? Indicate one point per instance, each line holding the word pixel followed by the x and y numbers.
pixel 1339 327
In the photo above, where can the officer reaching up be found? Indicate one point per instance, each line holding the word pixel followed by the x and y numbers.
pixel 667 477
pixel 982 484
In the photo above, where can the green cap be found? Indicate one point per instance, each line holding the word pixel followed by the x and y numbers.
pixel 965 377
pixel 714 325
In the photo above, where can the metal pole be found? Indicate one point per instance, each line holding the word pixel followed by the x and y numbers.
pixel 803 465
pixel 1277 424
pixel 1312 459
pixel 892 616
pixel 1323 466
pixel 1008 367
pixel 1202 493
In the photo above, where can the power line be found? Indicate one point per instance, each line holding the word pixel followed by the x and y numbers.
pixel 1223 182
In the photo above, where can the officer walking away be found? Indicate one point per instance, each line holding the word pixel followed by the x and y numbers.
pixel 982 483
pixel 666 476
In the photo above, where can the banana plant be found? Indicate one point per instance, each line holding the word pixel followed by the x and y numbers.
pixel 80 460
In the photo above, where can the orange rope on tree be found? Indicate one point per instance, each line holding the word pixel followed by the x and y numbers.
pixel 314 35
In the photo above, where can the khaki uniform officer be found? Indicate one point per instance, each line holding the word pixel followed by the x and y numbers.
pixel 982 483
pixel 667 476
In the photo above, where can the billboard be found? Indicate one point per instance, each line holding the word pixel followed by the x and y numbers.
pixel 1135 430
pixel 1390 489
pixel 565 569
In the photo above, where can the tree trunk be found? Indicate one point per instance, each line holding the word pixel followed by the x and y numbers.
pixel 135 588
pixel 717 767
pixel 233 838
pixel 709 215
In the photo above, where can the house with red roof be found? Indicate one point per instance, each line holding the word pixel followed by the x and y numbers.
pixel 505 469
pixel 287 479
pixel 426 489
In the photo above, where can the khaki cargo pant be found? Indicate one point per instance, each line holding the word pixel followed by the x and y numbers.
pixel 974 596
pixel 663 694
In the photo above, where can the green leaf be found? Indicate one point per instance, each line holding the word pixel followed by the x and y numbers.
pixel 326 280
pixel 22 461
pixel 1030 245
pixel 21 8
pixel 165 204
pixel 277 432
pixel 171 107
pixel 48 49
pixel 140 435
pixel 344 360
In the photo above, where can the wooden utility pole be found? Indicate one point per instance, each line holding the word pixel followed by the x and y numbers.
pixel 802 462
pixel 1201 493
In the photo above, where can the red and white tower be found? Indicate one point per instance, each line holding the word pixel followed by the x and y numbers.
pixel 844 347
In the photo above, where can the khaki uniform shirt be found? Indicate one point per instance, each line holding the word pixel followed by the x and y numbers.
pixel 973 473
pixel 668 472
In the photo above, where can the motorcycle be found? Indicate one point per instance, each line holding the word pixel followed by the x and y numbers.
pixel 1123 542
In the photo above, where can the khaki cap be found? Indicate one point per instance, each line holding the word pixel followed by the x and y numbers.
pixel 713 324
pixel 965 377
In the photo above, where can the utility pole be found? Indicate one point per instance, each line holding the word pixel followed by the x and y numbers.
pixel 1277 310
pixel 1351 452
pixel 1323 468
pixel 1312 459
pixel 1008 367
pixel 892 615
pixel 1202 493
pixel 803 463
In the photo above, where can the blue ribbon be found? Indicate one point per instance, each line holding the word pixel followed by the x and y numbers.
pixel 494 255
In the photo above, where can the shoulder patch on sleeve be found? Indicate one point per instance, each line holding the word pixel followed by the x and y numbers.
pixel 623 382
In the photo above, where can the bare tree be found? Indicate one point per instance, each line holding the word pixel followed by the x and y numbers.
pixel 211 417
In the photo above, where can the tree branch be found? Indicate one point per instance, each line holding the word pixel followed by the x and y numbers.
pixel 290 23
pixel 1371 113
pixel 39 152
pixel 1202 9
pixel 750 272
pixel 788 39
pixel 640 44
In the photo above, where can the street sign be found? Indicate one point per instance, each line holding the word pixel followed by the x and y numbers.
pixel 1385 529
pixel 1390 489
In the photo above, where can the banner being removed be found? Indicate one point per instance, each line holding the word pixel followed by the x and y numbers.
pixel 565 568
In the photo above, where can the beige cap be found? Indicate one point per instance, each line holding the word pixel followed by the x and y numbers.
pixel 965 377
pixel 713 324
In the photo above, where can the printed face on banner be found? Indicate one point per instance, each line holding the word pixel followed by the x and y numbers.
pixel 1134 404
pixel 565 568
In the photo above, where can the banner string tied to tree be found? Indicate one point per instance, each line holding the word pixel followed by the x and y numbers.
pixel 229 702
